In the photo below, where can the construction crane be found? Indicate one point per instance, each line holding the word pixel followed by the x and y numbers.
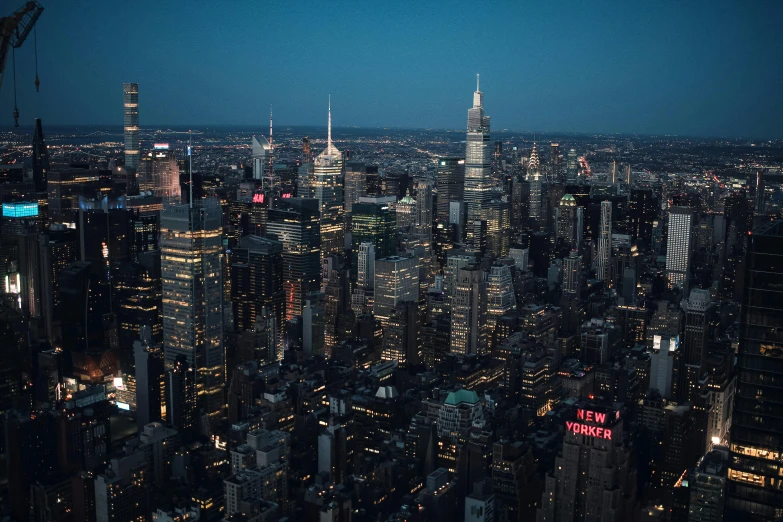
pixel 14 30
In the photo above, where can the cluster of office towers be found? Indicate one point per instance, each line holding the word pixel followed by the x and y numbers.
pixel 301 259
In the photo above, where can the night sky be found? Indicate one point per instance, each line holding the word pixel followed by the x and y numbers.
pixel 687 68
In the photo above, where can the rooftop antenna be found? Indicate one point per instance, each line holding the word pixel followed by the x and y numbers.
pixel 477 83
pixel 329 126
pixel 190 157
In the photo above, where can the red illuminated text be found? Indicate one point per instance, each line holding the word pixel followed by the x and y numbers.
pixel 590 431
pixel 591 416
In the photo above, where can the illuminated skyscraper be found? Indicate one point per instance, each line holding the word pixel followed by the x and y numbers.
pixel 469 312
pixel 534 178
pixel 396 281
pixel 40 158
pixel 478 164
pixel 567 222
pixel 191 273
pixel 593 477
pixel 131 99
pixel 295 223
pixel 678 247
pixel 756 437
pixel 572 168
pixel 450 185
pixel 326 186
pixel 498 227
pixel 373 221
pixel 262 151
pixel 554 163
pixel 603 258
pixel 500 293
pixel 158 173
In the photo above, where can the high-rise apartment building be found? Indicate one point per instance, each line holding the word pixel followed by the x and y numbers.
pixel 603 258
pixel 678 247
pixel 450 185
pixel 192 284
pixel 131 104
pixel 757 429
pixel 469 312
pixel 478 159
pixel 295 223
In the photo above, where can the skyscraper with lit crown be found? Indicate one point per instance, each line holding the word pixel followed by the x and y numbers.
pixel 478 164
pixel 536 182
pixel 327 187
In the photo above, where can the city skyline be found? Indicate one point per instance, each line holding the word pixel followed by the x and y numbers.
pixel 586 69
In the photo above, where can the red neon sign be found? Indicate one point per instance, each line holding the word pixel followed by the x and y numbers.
pixel 590 431
pixel 591 416
pixel 286 195
pixel 258 198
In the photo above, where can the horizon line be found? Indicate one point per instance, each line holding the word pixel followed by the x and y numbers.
pixel 375 127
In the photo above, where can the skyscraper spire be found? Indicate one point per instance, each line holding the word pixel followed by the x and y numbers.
pixel 329 125
pixel 477 83
pixel 270 126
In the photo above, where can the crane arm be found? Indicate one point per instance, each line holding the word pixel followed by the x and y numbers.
pixel 14 30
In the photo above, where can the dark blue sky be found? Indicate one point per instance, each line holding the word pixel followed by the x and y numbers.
pixel 688 68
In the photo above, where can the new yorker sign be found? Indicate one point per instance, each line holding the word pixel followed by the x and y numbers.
pixel 593 418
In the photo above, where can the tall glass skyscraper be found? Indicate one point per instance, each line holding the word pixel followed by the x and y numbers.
pixel 131 104
pixel 396 281
pixel 40 158
pixel 603 259
pixel 678 247
pixel 295 223
pixel 158 173
pixel 326 185
pixel 192 283
pixel 754 490
pixel 450 185
pixel 478 160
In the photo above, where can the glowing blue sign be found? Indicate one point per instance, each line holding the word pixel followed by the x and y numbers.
pixel 20 210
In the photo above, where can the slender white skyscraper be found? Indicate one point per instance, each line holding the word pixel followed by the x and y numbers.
pixel 326 186
pixel 678 247
pixel 131 106
pixel 602 262
pixel 478 166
